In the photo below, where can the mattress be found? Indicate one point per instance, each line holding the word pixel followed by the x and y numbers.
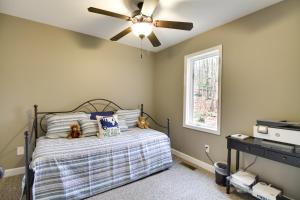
pixel 79 168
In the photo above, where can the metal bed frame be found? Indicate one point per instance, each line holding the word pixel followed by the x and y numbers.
pixel 94 105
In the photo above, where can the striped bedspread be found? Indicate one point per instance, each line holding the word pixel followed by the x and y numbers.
pixel 79 168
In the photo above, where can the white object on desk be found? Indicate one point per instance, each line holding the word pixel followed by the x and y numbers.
pixel 278 134
pixel 239 136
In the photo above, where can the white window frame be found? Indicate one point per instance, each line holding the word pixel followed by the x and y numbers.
pixel 188 82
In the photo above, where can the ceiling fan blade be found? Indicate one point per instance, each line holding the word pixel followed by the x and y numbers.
pixel 121 34
pixel 153 39
pixel 174 25
pixel 108 13
pixel 149 7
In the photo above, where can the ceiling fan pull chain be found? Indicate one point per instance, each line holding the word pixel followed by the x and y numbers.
pixel 141 49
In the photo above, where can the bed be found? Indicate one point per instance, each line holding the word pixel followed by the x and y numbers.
pixel 79 168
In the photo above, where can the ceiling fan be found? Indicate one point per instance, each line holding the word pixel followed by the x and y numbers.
pixel 143 23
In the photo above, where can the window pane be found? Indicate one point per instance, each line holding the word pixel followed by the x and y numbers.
pixel 205 92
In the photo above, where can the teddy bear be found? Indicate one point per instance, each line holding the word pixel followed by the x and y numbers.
pixel 142 123
pixel 75 131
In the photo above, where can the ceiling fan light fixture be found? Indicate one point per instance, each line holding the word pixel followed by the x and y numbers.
pixel 142 29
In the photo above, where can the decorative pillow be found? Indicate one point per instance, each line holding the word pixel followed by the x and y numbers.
pixel 58 125
pixel 108 126
pixel 122 125
pixel 94 114
pixel 89 127
pixel 130 116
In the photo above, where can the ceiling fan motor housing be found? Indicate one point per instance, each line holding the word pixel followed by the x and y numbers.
pixel 141 18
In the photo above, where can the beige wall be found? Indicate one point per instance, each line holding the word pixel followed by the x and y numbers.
pixel 58 69
pixel 261 70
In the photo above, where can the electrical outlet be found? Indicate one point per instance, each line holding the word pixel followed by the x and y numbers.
pixel 206 147
pixel 20 150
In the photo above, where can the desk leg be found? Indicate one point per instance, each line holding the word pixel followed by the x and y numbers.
pixel 237 167
pixel 228 171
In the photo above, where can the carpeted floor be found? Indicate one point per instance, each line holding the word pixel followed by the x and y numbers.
pixel 10 188
pixel 178 183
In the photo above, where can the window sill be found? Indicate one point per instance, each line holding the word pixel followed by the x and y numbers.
pixel 197 128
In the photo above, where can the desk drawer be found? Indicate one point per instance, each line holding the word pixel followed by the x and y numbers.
pixel 240 146
pixel 291 160
pixel 258 151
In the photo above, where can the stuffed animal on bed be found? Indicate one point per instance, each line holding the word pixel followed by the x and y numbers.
pixel 142 123
pixel 75 131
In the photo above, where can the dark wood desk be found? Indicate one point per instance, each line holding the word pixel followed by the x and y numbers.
pixel 262 148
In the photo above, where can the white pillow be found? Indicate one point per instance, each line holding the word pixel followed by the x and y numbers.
pixel 130 116
pixel 123 125
pixel 89 127
pixel 58 125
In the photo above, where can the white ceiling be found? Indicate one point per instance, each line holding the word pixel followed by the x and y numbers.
pixel 73 15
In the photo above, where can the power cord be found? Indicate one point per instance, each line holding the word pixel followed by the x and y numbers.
pixel 208 156
pixel 251 164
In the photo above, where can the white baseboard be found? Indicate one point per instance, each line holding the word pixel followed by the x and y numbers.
pixel 193 160
pixel 14 171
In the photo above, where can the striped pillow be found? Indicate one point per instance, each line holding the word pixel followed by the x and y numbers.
pixel 123 125
pixel 58 125
pixel 130 116
pixel 89 127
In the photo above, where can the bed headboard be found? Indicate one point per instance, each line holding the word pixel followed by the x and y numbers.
pixel 93 105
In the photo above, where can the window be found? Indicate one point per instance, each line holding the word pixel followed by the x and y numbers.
pixel 202 90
